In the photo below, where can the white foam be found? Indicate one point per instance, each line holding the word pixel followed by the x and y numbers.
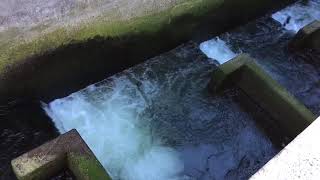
pixel 217 49
pixel 295 17
pixel 108 118
pixel 126 118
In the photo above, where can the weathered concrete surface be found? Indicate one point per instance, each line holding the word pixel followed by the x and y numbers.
pixel 67 151
pixel 299 160
pixel 292 116
pixel 307 37
pixel 48 55
pixel 227 73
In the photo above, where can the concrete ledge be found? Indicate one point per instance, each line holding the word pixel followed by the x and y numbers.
pixel 67 151
pixel 307 37
pixel 63 59
pixel 289 113
pixel 299 160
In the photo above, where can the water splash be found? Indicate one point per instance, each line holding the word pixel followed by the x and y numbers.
pixel 108 118
pixel 295 17
pixel 217 49
pixel 156 121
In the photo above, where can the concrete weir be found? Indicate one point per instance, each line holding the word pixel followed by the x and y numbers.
pixel 67 151
pixel 49 58
pixel 291 115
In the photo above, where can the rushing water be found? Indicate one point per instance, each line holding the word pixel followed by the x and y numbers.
pixel 217 49
pixel 267 40
pixel 157 121
pixel 298 15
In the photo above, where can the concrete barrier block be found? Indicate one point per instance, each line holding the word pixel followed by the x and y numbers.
pixel 227 73
pixel 242 72
pixel 66 151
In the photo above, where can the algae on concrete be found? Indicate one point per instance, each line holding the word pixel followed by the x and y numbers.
pixel 53 59
pixel 66 151
pixel 86 167
pixel 137 38
pixel 290 114
pixel 100 26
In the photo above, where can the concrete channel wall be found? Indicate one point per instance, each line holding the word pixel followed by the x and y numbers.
pixel 48 61
pixel 298 160
pixel 66 151
pixel 290 114
pixel 55 62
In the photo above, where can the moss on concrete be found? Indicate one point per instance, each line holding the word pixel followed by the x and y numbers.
pixel 290 114
pixel 86 167
pixel 149 24
pixel 66 151
pixel 100 47
pixel 57 63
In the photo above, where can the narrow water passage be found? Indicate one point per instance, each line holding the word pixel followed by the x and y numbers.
pixel 157 121
pixel 267 40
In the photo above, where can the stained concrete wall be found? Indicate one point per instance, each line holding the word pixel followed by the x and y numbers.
pixel 53 57
pixel 66 151
pixel 290 114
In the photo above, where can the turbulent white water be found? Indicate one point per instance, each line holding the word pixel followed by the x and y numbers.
pixel 109 119
pixel 298 15
pixel 218 50
pixel 156 121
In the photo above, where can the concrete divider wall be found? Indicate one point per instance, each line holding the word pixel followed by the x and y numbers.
pixel 289 113
pixel 66 151
pixel 62 61
pixel 307 37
